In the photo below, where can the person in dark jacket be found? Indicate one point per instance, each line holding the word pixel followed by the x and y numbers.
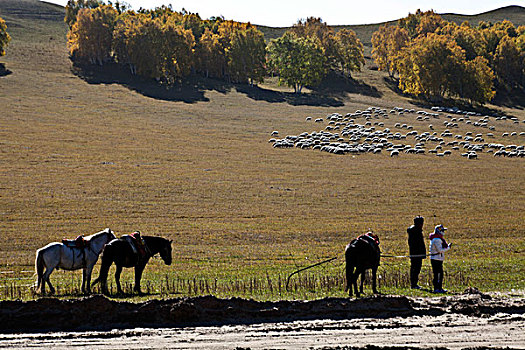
pixel 417 250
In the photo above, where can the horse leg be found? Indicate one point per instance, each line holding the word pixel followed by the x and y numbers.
pixel 84 273
pixel 89 270
pixel 374 274
pixel 45 278
pixel 355 277
pixel 117 278
pixel 138 275
pixel 363 278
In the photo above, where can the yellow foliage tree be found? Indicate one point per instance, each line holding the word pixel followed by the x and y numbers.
pixel 90 38
pixel 349 51
pixel 387 42
pixel 4 37
pixel 430 65
pixel 209 55
pixel 508 63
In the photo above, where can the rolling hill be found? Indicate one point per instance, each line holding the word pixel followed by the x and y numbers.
pixel 81 151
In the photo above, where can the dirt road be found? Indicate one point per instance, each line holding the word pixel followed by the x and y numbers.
pixel 452 322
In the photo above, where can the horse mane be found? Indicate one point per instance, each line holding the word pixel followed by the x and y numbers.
pixel 98 234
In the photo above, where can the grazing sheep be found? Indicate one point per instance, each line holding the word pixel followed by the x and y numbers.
pixel 472 156
pixel 394 153
pixel 308 118
pixel 274 133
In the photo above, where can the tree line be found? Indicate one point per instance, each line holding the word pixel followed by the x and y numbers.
pixel 434 58
pixel 168 45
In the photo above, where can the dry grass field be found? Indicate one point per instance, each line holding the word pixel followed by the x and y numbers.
pixel 81 151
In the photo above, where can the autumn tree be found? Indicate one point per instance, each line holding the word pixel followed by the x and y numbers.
pixel 246 56
pixel 244 50
pixel 429 65
pixel 298 61
pixel 387 42
pixel 321 32
pixel 90 38
pixel 210 58
pixel 158 48
pixel 4 37
pixel 349 51
pixel 194 23
pixel 435 66
pixel 421 23
pixel 468 38
pixel 476 83
pixel 508 63
pixel 74 6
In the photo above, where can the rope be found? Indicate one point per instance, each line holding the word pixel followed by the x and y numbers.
pixel 407 256
pixel 308 267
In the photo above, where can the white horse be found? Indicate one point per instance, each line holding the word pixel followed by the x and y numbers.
pixel 57 255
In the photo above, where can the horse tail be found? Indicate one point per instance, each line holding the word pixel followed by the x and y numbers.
pixel 39 268
pixel 349 268
pixel 106 261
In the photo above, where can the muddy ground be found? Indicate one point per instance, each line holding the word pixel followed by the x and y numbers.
pixel 468 321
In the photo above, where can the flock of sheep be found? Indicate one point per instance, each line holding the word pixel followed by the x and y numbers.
pixel 343 134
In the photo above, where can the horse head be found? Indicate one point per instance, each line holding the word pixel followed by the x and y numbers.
pixel 109 234
pixel 165 251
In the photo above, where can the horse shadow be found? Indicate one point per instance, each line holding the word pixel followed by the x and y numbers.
pixel 4 71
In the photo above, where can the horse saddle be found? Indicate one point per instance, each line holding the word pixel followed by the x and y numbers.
pixel 78 242
pixel 136 243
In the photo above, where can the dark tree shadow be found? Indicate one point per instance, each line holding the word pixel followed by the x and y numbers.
pixel 392 84
pixel 335 83
pixel 450 103
pixel 304 99
pixel 4 71
pixel 193 88
pixel 189 90
pixel 512 98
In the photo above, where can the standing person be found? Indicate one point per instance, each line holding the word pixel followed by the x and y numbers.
pixel 417 250
pixel 438 246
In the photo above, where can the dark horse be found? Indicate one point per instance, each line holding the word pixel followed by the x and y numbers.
pixel 361 254
pixel 120 252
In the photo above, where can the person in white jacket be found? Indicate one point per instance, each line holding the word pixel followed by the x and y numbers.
pixel 438 246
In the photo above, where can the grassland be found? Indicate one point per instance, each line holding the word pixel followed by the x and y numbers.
pixel 83 151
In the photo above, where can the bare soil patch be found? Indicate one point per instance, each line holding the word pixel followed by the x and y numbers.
pixel 98 312
pixel 468 321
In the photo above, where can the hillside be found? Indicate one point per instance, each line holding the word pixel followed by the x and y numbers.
pixel 82 150
pixel 515 14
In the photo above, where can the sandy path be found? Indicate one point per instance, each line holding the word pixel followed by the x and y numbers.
pixel 449 322
pixel 451 331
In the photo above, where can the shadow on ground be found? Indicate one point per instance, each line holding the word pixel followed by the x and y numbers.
pixel 337 84
pixel 4 71
pixel 193 88
pixel 305 99
pixel 511 98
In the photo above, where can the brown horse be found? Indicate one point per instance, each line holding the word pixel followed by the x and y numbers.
pixel 121 252
pixel 361 254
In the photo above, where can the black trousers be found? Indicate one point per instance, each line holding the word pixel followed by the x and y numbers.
pixel 437 269
pixel 415 269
